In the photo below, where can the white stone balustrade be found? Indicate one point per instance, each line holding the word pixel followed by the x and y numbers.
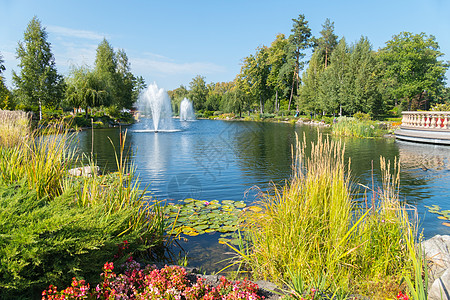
pixel 437 120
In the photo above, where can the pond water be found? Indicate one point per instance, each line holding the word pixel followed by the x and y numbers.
pixel 226 160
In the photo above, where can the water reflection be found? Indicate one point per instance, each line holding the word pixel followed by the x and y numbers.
pixel 425 181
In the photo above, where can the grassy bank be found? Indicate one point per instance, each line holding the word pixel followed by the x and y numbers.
pixel 55 226
pixel 312 235
pixel 361 128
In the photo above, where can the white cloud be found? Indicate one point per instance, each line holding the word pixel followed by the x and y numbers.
pixel 143 65
pixel 75 33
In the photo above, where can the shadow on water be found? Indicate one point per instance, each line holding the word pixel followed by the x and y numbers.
pixel 212 159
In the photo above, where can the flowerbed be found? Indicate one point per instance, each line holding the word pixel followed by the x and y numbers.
pixel 169 283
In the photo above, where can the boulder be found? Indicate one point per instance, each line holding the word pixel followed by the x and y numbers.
pixel 437 253
pixel 440 289
pixel 85 171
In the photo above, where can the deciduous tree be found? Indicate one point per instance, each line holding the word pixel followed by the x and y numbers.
pixel 38 82
pixel 412 67
pixel 198 92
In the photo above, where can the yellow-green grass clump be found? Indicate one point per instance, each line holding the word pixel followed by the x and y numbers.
pixel 312 229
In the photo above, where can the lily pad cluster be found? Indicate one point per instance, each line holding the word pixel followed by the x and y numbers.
pixel 443 214
pixel 193 217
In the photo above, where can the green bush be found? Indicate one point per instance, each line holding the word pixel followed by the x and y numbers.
pixel 52 240
pixel 360 116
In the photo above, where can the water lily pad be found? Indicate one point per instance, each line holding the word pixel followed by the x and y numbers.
pixel 442 218
pixel 446 224
pixel 240 204
pixel 228 228
pixel 228 202
pixel 201 227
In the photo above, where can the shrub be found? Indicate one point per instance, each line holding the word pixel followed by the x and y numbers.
pixel 360 116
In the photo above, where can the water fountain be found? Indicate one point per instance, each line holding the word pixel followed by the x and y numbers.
pixel 186 110
pixel 154 102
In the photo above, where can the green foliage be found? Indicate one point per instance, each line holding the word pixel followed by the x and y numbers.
pixel 198 92
pixel 299 40
pixel 325 45
pixel 6 101
pixel 38 83
pixel 312 228
pixel 360 116
pixel 254 76
pixel 410 66
pixel 441 107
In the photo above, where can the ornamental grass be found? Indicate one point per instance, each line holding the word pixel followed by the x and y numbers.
pixel 14 127
pixel 313 231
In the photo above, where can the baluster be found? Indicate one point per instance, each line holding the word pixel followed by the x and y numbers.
pixel 445 121
pixel 428 121
pixel 423 120
pixel 439 121
pixel 433 121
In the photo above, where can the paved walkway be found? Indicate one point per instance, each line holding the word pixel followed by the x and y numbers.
pixel 430 136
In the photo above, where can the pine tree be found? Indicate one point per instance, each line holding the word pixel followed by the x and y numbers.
pixel 299 40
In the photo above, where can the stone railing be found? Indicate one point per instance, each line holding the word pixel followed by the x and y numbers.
pixel 437 120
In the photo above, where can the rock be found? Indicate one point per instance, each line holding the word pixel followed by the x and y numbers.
pixel 84 171
pixel 440 289
pixel 437 253
pixel 269 290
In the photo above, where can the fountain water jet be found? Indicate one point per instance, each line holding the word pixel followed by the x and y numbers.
pixel 155 103
pixel 186 110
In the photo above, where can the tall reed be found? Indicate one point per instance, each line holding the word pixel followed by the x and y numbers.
pixel 41 160
pixel 14 127
pixel 312 227
pixel 353 127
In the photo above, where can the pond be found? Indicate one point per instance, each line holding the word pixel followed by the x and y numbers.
pixel 233 160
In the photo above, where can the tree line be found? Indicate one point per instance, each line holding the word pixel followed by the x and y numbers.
pixel 38 85
pixel 340 78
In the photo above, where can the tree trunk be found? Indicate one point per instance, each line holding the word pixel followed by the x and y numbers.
pixel 276 101
pixel 292 93
pixel 40 110
pixel 261 105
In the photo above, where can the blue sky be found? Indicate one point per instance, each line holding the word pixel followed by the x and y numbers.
pixel 170 42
